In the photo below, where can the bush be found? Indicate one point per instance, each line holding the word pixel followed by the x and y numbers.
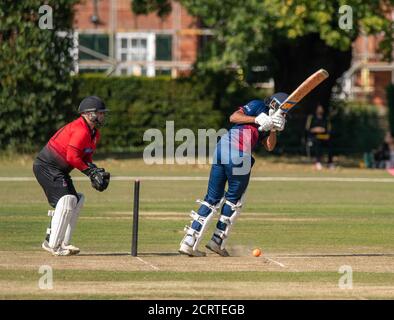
pixel 390 103
pixel 356 128
pixel 139 103
pixel 35 67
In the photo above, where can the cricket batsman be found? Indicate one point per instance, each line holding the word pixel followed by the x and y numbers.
pixel 72 146
pixel 232 163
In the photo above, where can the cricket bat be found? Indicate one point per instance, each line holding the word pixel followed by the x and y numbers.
pixel 304 88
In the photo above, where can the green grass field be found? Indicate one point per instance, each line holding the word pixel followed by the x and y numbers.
pixel 306 229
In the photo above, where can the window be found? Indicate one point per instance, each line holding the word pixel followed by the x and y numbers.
pixel 96 42
pixel 92 70
pixel 163 47
pixel 163 72
pixel 133 48
pixel 136 53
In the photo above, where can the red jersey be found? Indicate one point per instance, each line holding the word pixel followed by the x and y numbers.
pixel 72 146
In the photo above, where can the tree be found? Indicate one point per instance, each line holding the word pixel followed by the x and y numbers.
pixel 35 68
pixel 292 37
pixel 390 102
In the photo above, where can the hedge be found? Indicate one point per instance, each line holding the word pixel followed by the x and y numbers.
pixel 356 128
pixel 140 103
pixel 390 102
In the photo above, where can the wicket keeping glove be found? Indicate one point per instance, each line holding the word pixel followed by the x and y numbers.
pixel 264 121
pixel 99 178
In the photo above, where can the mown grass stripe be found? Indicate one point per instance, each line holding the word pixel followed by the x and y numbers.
pixel 232 276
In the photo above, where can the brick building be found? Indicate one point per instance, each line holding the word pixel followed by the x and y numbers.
pixel 369 75
pixel 112 39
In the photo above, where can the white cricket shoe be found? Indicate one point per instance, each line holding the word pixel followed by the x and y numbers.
pixel 61 252
pixel 57 251
pixel 46 247
pixel 213 246
pixel 188 250
pixel 73 249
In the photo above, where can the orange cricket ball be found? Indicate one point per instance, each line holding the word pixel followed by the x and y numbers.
pixel 257 252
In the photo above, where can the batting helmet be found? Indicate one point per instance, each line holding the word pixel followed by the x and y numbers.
pixel 92 104
pixel 276 100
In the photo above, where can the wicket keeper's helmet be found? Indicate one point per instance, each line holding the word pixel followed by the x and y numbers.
pixel 274 101
pixel 92 104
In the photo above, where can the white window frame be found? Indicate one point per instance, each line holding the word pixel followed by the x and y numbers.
pixel 132 66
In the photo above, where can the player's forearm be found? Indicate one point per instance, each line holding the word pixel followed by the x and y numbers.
pixel 241 118
pixel 270 142
pixel 318 130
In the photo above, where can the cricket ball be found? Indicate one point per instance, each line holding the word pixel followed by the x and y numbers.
pixel 256 252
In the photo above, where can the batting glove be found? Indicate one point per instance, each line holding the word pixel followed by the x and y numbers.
pixel 279 121
pixel 264 121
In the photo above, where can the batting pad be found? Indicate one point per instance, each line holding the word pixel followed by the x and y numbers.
pixel 73 219
pixel 63 211
pixel 229 221
pixel 203 221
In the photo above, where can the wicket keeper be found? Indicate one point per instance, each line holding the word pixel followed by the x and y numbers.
pixel 72 146
pixel 232 152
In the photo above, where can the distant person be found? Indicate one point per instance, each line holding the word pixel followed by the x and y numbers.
pixel 318 130
pixel 381 156
pixel 72 146
pixel 386 152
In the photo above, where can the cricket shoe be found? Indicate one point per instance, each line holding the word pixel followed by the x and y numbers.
pixel 188 250
pixel 213 246
pixel 73 249
pixel 56 252
pixel 46 247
